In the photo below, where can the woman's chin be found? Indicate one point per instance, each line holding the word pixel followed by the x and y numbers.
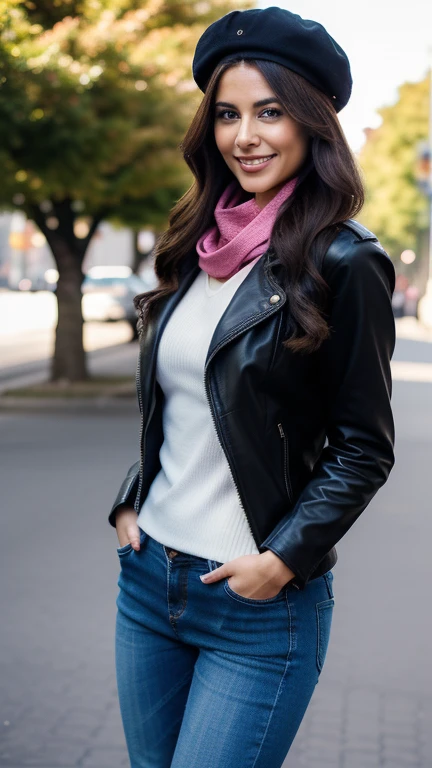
pixel 255 186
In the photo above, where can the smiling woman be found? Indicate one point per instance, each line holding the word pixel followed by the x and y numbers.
pixel 254 107
pixel 266 424
pixel 263 147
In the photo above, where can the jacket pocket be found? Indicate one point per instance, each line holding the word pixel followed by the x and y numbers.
pixel 286 462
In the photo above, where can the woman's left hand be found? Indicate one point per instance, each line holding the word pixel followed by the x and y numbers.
pixel 256 576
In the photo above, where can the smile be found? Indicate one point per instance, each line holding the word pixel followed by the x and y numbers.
pixel 255 164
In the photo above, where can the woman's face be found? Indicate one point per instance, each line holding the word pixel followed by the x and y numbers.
pixel 244 130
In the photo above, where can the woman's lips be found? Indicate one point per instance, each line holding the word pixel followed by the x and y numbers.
pixel 254 168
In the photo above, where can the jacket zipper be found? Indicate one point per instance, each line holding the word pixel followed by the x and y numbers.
pixel 142 432
pixel 222 442
pixel 286 462
pixel 218 430
pixel 140 475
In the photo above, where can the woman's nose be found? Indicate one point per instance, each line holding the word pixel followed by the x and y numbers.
pixel 246 135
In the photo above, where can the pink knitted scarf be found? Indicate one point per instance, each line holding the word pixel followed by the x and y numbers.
pixel 241 233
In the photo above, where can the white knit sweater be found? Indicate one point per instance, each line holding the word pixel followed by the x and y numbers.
pixel 192 505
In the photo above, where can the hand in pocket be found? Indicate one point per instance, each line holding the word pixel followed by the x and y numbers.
pixel 128 530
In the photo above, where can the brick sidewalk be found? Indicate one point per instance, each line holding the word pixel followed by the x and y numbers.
pixel 372 707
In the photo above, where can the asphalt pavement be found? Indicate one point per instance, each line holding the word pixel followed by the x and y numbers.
pixel 59 473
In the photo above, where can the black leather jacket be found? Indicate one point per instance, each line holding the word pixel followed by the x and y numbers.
pixel 308 438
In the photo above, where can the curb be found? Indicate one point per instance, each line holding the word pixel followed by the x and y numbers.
pixel 105 405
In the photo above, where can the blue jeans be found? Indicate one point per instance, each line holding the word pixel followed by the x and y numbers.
pixel 208 678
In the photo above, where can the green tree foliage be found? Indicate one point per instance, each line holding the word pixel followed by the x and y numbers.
pixel 395 208
pixel 95 98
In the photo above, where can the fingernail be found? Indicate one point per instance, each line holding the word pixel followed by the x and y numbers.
pixel 205 577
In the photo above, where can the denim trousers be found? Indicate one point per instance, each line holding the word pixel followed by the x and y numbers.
pixel 206 677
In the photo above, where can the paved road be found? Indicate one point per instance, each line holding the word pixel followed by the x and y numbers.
pixel 58 704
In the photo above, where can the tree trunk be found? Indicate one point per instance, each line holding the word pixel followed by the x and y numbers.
pixel 137 257
pixel 69 359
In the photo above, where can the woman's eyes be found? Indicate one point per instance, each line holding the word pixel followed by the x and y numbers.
pixel 230 111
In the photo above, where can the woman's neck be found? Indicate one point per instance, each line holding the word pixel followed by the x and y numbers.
pixel 262 198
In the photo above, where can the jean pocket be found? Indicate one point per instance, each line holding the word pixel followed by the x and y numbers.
pixel 252 600
pixel 126 549
pixel 324 614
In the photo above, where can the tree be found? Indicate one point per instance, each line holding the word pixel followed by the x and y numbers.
pixel 95 98
pixel 395 208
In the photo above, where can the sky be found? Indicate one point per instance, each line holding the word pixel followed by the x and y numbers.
pixel 387 44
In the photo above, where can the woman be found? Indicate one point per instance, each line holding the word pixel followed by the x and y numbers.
pixel 270 331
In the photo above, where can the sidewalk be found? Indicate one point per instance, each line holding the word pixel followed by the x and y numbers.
pixel 59 706
pixel 410 328
pixel 120 359
pixel 58 700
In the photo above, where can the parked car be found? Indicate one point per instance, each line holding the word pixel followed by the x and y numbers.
pixel 108 294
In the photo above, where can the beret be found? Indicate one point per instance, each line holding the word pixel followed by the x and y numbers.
pixel 276 34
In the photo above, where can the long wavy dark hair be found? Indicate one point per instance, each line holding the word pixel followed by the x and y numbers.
pixel 329 191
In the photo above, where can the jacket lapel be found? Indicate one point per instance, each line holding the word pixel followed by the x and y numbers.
pixel 149 343
pixel 250 305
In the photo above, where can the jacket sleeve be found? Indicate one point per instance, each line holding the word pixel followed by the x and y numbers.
pixel 127 492
pixel 357 384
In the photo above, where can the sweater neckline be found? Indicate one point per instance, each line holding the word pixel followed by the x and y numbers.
pixel 213 291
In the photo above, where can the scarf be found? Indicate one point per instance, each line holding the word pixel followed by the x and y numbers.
pixel 242 230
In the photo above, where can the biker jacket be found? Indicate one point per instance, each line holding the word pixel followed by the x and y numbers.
pixel 308 438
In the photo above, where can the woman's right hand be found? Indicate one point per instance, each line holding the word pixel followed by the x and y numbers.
pixel 127 528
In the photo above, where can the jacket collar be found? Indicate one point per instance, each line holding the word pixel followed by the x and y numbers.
pixel 250 305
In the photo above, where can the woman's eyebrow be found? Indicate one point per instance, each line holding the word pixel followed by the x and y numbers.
pixel 259 103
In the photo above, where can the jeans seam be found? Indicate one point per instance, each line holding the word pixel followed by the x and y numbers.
pixel 287 664
pixel 319 607
pixel 328 585
pixel 172 618
pixel 169 694
pixel 167 590
pixel 183 589
pixel 318 656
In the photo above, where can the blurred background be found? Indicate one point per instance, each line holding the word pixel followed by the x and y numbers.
pixel 95 98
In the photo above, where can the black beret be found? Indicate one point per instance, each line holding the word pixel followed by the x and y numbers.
pixel 276 34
